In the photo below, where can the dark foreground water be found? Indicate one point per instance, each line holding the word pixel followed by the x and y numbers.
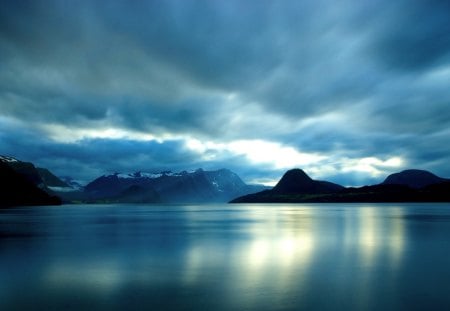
pixel 226 257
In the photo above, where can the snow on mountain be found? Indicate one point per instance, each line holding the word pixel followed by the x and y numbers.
pixel 151 175
pixel 8 159
pixel 185 186
pixel 148 175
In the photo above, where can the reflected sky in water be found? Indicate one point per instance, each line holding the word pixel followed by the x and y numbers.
pixel 226 257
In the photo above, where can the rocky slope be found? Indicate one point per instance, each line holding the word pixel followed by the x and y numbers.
pixel 21 187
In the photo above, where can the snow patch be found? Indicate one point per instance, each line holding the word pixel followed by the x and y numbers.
pixel 151 175
pixel 171 174
pixel 125 176
pixel 8 159
pixel 143 175
pixel 217 186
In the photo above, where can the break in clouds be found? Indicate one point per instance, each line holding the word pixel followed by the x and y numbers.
pixel 349 91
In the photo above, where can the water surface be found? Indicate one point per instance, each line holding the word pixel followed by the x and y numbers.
pixel 226 257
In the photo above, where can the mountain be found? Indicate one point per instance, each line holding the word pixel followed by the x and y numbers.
pixel 26 169
pixel 187 188
pixel 17 189
pixel 49 179
pixel 136 194
pixel 72 192
pixel 295 185
pixel 72 183
pixel 296 181
pixel 184 187
pixel 40 177
pixel 407 186
pixel 413 178
pixel 108 185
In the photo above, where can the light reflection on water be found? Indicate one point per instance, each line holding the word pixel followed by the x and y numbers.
pixel 226 257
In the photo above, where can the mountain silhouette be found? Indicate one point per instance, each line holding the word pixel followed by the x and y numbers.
pixel 295 185
pixel 407 186
pixel 49 179
pixel 17 190
pixel 296 181
pixel 413 178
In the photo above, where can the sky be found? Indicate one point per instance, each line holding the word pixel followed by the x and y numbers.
pixel 350 91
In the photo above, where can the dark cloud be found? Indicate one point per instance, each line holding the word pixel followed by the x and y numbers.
pixel 90 158
pixel 356 80
pixel 94 157
pixel 413 35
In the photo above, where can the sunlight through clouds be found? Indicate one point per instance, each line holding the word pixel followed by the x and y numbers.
pixel 260 152
pixel 60 133
pixel 281 157
pixel 252 87
pixel 371 165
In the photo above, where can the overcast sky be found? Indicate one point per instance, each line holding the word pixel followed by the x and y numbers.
pixel 349 90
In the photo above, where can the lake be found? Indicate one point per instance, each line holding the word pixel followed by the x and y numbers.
pixel 226 257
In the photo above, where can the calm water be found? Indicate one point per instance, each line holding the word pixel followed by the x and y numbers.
pixel 226 257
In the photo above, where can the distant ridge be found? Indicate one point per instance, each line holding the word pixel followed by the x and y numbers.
pixel 21 183
pixel 295 185
pixel 197 186
pixel 413 178
pixel 49 179
pixel 407 186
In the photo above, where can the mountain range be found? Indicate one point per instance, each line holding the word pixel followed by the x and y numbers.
pixel 22 183
pixel 197 186
pixel 407 186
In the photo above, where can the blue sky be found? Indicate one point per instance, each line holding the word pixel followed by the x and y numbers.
pixel 350 91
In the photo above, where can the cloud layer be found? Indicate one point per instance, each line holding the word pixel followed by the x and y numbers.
pixel 348 92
